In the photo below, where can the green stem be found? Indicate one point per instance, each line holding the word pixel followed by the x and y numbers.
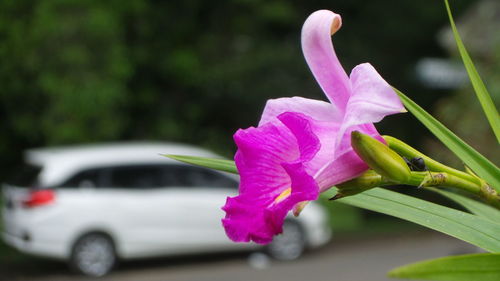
pixel 442 179
pixel 388 168
pixel 404 149
pixel 371 179
pixel 367 180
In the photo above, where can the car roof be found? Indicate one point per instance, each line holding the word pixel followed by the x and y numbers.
pixel 60 162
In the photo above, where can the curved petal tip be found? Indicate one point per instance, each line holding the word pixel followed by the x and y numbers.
pixel 319 53
pixel 336 24
pixel 331 19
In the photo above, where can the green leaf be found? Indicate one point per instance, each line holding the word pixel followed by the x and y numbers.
pixel 478 85
pixel 464 226
pixel 212 163
pixel 473 229
pixel 475 267
pixel 477 162
pixel 476 207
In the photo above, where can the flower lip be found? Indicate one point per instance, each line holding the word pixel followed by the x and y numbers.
pixel 272 161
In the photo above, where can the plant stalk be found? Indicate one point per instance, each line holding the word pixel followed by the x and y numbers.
pixel 404 149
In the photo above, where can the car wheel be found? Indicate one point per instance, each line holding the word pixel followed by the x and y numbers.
pixel 290 244
pixel 93 255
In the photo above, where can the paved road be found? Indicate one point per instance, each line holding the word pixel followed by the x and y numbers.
pixel 342 260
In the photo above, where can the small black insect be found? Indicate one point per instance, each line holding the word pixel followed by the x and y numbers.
pixel 416 164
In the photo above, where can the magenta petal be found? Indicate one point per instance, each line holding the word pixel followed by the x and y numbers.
pixel 308 143
pixel 320 56
pixel 249 219
pixel 260 154
pixel 245 220
pixel 270 160
pixel 303 185
pixel 304 188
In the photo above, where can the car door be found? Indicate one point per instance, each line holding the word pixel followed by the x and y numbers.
pixel 201 195
pixel 132 203
pixel 157 209
pixel 144 210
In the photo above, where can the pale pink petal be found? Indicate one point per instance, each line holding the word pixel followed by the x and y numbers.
pixel 320 56
pixel 316 109
pixel 345 167
pixel 344 141
pixel 327 134
pixel 372 97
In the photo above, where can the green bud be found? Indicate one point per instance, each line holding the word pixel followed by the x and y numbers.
pixel 365 181
pixel 380 157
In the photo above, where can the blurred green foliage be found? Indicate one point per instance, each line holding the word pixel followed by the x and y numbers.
pixel 192 71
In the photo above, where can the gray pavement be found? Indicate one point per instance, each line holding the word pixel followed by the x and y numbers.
pixel 342 260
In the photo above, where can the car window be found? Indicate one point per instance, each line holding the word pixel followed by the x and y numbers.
pixel 137 176
pixel 86 178
pixel 149 176
pixel 190 176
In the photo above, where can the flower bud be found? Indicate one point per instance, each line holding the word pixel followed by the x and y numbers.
pixel 380 157
pixel 365 181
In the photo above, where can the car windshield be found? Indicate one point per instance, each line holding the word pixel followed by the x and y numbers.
pixel 26 176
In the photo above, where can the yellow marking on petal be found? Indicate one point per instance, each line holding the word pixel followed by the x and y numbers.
pixel 336 23
pixel 283 195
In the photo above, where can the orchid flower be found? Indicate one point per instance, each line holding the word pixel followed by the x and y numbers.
pixel 302 147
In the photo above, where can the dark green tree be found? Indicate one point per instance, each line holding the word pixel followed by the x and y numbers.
pixel 75 71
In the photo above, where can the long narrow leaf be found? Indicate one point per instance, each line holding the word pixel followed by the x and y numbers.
pixel 479 87
pixel 473 229
pixel 475 267
pixel 473 206
pixel 477 162
pixel 212 163
pixel 467 227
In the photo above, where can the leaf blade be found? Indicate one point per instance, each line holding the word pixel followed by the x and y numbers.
pixel 454 222
pixel 212 163
pixel 473 206
pixel 464 226
pixel 478 85
pixel 477 162
pixel 484 267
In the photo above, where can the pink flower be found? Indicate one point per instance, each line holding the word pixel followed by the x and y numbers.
pixel 302 147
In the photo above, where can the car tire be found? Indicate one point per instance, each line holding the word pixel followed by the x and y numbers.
pixel 289 245
pixel 93 255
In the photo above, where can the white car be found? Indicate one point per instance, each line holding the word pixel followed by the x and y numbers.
pixel 93 205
